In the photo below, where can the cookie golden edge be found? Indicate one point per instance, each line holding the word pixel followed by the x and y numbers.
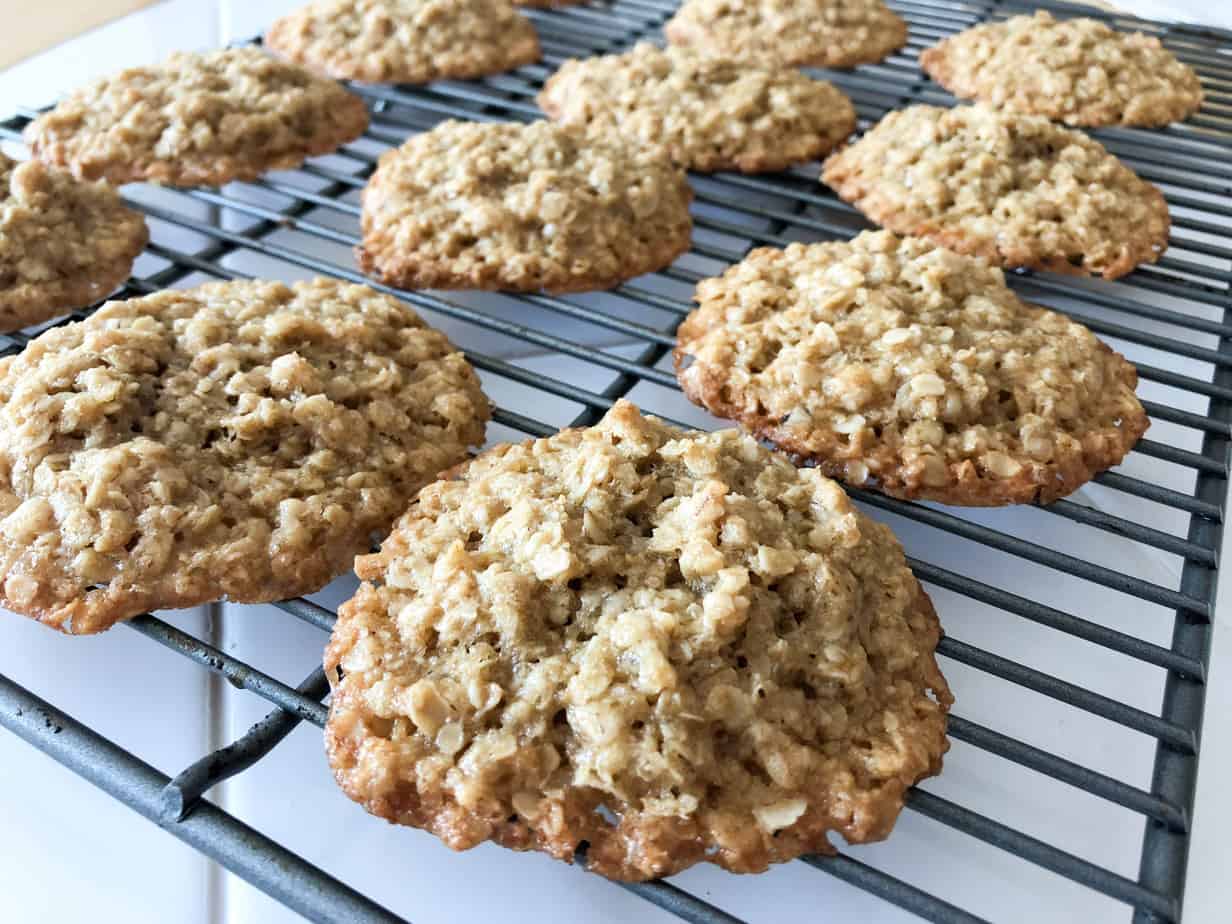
pixel 525 50
pixel 679 32
pixel 665 848
pixel 790 152
pixel 102 611
pixel 1140 246
pixel 668 848
pixel 214 171
pixel 1037 483
pixel 936 60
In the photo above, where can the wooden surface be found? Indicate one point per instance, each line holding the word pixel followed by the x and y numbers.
pixel 32 26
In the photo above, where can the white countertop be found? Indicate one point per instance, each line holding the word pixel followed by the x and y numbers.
pixel 74 854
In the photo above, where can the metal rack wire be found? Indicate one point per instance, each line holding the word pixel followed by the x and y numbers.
pixel 1179 312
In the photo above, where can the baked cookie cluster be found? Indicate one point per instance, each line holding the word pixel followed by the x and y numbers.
pixel 812 33
pixel 199 119
pixel 1017 189
pixel 660 647
pixel 894 364
pixel 1076 71
pixel 709 113
pixel 406 41
pixel 240 439
pixel 521 207
pixel 673 646
pixel 64 243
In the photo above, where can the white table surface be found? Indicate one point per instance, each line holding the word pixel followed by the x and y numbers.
pixel 70 853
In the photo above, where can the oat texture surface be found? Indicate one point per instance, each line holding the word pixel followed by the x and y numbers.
pixel 521 207
pixel 817 33
pixel 63 243
pixel 240 440
pixel 675 646
pixel 894 364
pixel 710 113
pixel 1014 188
pixel 198 119
pixel 406 41
pixel 1076 71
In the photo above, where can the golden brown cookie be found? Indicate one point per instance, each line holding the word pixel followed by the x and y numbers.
pixel 674 647
pixel 198 119
pixel 240 440
pixel 63 243
pixel 816 33
pixel 406 41
pixel 1076 71
pixel 710 113
pixel 1014 188
pixel 522 208
pixel 897 365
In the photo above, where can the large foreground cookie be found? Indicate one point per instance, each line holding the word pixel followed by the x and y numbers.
pixel 63 243
pixel 198 119
pixel 710 113
pixel 896 365
pixel 406 41
pixel 1077 71
pixel 817 33
pixel 239 440
pixel 675 647
pixel 522 208
pixel 1014 188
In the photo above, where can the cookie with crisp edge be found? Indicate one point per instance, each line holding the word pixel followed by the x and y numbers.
pixel 858 378
pixel 965 177
pixel 1077 71
pixel 406 41
pixel 197 120
pixel 710 113
pixel 521 207
pixel 598 638
pixel 790 32
pixel 238 441
pixel 64 243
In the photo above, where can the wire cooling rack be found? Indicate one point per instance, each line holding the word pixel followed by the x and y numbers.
pixel 1165 505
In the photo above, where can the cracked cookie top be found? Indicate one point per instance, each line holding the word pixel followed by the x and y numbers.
pixel 894 364
pixel 1076 71
pixel 241 440
pixel 674 646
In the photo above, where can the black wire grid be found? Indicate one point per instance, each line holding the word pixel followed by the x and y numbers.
pixel 307 221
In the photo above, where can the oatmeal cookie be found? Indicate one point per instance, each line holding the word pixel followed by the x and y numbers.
pixel 897 365
pixel 1076 71
pixel 198 119
pixel 406 41
pixel 710 113
pixel 240 440
pixel 673 646
pixel 797 33
pixel 1014 188
pixel 63 243
pixel 521 208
